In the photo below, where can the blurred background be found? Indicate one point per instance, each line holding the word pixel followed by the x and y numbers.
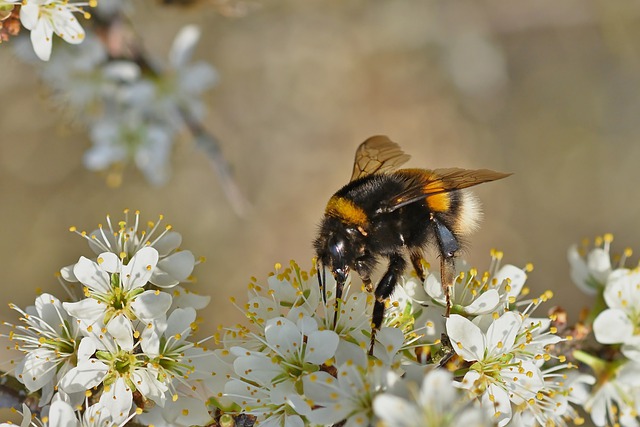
pixel 547 90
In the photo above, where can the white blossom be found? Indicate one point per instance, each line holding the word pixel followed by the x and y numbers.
pixel 619 324
pixel 45 17
pixel 437 403
pixel 500 374
pixel 130 236
pixel 49 338
pixel 116 296
pixel 591 267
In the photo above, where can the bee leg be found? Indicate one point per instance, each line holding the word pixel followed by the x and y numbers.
pixel 448 245
pixel 416 261
pixel 384 289
pixel 339 286
pixel 447 269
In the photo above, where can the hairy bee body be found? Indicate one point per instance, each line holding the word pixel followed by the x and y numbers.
pixel 384 212
pixel 358 212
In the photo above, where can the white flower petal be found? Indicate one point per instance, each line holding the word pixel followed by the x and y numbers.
pixel 517 278
pixel 88 310
pixel 433 288
pixel 41 39
pixel 109 262
pixel 599 264
pixel 485 303
pixel 61 414
pixel 148 385
pixel 117 398
pixel 29 13
pixel 136 274
pixel 612 326
pixel 67 27
pixel 395 411
pixel 183 45
pixel 283 336
pixel 256 367
pixel 151 305
pixel 169 242
pixel 87 374
pixel 631 348
pixel 502 333
pixel 180 322
pixel 467 339
pixel 496 402
pixel 92 276
pixel 442 381
pixel 66 273
pixel 173 269
pixel 150 339
pixel 38 368
pixel 185 298
pixel 122 331
pixel 321 346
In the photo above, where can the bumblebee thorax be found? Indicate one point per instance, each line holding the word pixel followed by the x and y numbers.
pixel 347 212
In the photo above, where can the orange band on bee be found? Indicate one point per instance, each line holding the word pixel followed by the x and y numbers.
pixel 346 210
pixel 439 202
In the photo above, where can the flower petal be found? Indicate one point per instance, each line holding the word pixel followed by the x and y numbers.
pixel 517 277
pixel 467 339
pixel 173 269
pixel 502 333
pixel 61 414
pixel 136 274
pixel 117 398
pixel 41 39
pixel 183 45
pixel 122 331
pixel 485 303
pixel 88 310
pixel 92 276
pixel 612 326
pixel 151 305
pixel 321 346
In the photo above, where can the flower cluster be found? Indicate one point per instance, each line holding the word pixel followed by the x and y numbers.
pixel 610 392
pixel 125 339
pixel 133 110
pixel 134 106
pixel 301 361
pixel 122 349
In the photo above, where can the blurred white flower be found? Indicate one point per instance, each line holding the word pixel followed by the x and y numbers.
pixel 620 323
pixel 590 268
pixel 185 82
pixel 616 397
pixel 438 403
pixel 347 396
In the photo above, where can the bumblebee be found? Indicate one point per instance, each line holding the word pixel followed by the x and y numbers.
pixel 390 213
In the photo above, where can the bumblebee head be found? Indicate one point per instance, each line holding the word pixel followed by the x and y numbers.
pixel 338 247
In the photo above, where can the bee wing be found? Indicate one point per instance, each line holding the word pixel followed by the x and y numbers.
pixel 377 154
pixel 438 181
